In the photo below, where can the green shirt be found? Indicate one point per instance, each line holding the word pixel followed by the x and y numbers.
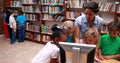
pixel 109 46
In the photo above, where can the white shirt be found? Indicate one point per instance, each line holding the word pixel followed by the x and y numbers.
pixel 49 51
pixel 12 21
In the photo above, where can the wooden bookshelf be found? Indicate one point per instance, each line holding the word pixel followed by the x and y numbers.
pixel 1 16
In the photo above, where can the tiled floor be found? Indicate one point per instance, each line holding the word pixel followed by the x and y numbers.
pixel 19 52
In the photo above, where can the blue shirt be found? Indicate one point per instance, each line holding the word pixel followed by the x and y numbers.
pixel 82 23
pixel 21 19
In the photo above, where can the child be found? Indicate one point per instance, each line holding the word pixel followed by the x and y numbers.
pixel 91 36
pixel 68 27
pixel 50 52
pixel 21 19
pixel 110 43
pixel 12 24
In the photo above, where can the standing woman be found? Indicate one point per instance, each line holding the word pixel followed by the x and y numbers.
pixel 21 19
pixel 84 22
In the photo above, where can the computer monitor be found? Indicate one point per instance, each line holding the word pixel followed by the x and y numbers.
pixel 78 53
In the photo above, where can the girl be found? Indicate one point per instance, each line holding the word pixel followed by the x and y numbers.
pixel 91 36
pixel 50 52
pixel 68 27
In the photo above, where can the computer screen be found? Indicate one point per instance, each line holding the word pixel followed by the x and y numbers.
pixel 78 53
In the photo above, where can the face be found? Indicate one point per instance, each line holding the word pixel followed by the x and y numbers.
pixel 68 32
pixel 113 33
pixel 91 40
pixel 63 37
pixel 89 14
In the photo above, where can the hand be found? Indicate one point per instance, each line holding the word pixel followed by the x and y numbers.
pixel 101 57
pixel 98 60
pixel 14 30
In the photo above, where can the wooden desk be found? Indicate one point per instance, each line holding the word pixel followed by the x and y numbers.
pixel 111 61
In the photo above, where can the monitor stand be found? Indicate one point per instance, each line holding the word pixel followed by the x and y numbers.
pixel 75 55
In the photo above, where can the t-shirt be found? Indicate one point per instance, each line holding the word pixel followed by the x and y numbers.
pixel 70 39
pixel 21 19
pixel 12 21
pixel 109 46
pixel 49 51
pixel 82 23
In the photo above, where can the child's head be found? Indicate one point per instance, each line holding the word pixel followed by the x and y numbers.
pixel 58 34
pixel 113 29
pixel 68 27
pixel 91 36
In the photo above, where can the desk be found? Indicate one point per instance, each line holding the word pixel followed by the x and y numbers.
pixel 110 61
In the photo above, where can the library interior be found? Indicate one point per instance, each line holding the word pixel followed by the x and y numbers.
pixel 60 31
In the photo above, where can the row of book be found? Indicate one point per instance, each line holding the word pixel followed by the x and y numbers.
pixel 33 27
pixel 31 9
pixel 45 9
pixel 46 38
pixel 46 29
pixel 105 6
pixel 54 10
pixel 72 15
pixel 15 3
pixel 31 17
pixel 33 36
pixel 119 8
pixel 75 3
pixel 57 2
pixel 30 1
pixel 52 17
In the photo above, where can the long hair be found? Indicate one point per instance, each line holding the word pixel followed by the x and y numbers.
pixel 91 32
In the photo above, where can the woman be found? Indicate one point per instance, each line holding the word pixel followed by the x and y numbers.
pixel 84 22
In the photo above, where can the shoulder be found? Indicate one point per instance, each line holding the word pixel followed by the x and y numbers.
pixel 52 46
pixel 81 17
pixel 99 19
pixel 105 36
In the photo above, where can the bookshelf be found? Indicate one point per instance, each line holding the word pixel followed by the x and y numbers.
pixel 53 12
pixel 1 16
pixel 32 10
pixel 13 5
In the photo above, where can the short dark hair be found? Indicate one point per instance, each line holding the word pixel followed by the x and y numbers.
pixel 93 6
pixel 20 12
pixel 118 25
pixel 112 26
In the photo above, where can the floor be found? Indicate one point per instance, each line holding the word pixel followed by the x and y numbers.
pixel 19 52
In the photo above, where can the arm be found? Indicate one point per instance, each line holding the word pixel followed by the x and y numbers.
pixel 100 55
pixel 76 34
pixel 112 56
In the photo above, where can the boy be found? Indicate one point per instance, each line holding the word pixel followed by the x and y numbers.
pixel 109 46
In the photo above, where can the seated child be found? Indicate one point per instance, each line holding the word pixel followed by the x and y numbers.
pixel 91 36
pixel 110 43
pixel 50 52
pixel 68 27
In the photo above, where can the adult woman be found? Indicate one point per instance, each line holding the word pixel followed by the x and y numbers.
pixel 84 22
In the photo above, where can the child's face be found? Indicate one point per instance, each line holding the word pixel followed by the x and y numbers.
pixel 68 32
pixel 91 40
pixel 63 38
pixel 113 33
